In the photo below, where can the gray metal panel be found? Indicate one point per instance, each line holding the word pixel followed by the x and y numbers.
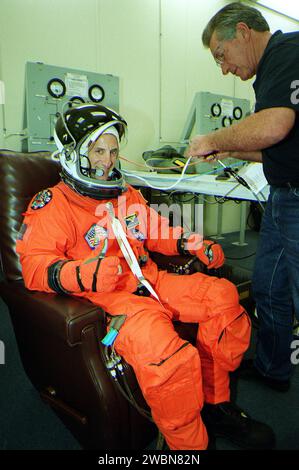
pixel 202 120
pixel 206 122
pixel 41 109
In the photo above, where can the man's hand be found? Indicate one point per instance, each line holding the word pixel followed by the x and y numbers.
pixel 200 146
pixel 252 134
pixel 220 156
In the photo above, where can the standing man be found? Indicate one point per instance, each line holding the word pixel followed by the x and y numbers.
pixel 240 41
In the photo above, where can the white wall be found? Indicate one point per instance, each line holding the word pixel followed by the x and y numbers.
pixel 158 73
pixel 52 31
pixel 154 46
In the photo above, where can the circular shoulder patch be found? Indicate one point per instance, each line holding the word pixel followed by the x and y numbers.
pixel 41 199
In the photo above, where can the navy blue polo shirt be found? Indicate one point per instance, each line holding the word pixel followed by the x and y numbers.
pixel 277 85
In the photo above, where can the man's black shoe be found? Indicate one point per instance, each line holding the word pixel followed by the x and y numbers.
pixel 247 371
pixel 229 421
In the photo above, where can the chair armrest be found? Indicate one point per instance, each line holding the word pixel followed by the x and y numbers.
pixel 65 316
pixel 177 263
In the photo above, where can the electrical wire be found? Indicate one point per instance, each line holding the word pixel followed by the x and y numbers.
pixel 241 181
pixel 166 167
pixel 219 200
pixel 188 178
pixel 145 166
pixel 259 201
pixel 116 369
pixel 65 123
pixel 126 173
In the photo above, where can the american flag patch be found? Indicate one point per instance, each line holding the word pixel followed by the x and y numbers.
pixel 94 235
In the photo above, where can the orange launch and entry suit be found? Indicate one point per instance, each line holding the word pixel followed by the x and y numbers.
pixel 175 377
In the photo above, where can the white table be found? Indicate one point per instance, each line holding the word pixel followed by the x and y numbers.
pixel 201 184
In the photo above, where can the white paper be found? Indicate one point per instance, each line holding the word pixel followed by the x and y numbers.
pixel 227 107
pixel 254 175
pixel 76 85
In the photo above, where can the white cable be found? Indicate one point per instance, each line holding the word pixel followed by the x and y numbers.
pixel 65 124
pixel 258 200
pixel 165 188
pixel 55 155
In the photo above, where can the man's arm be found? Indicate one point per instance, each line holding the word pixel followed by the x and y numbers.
pixel 256 132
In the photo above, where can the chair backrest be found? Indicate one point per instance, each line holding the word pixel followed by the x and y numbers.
pixel 22 175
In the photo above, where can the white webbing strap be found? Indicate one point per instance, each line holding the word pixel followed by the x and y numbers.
pixel 127 251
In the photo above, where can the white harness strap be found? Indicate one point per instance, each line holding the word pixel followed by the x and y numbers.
pixel 127 251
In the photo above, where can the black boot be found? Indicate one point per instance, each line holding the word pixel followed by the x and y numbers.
pixel 229 421
pixel 247 371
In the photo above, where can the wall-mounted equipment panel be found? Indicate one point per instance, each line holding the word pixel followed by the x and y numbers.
pixel 209 112
pixel 50 90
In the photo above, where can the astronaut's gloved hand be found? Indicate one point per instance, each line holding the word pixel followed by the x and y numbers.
pixel 207 251
pixel 95 273
pixel 211 254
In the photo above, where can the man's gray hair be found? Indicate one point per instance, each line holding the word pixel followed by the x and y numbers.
pixel 225 21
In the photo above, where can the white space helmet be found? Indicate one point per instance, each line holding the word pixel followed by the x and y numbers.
pixel 75 130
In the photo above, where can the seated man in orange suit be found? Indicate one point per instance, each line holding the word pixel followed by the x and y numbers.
pixel 89 236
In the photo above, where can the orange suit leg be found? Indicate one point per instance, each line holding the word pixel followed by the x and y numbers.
pixel 167 368
pixel 224 326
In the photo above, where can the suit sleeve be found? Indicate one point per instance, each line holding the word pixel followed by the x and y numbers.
pixel 45 240
pixel 160 237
